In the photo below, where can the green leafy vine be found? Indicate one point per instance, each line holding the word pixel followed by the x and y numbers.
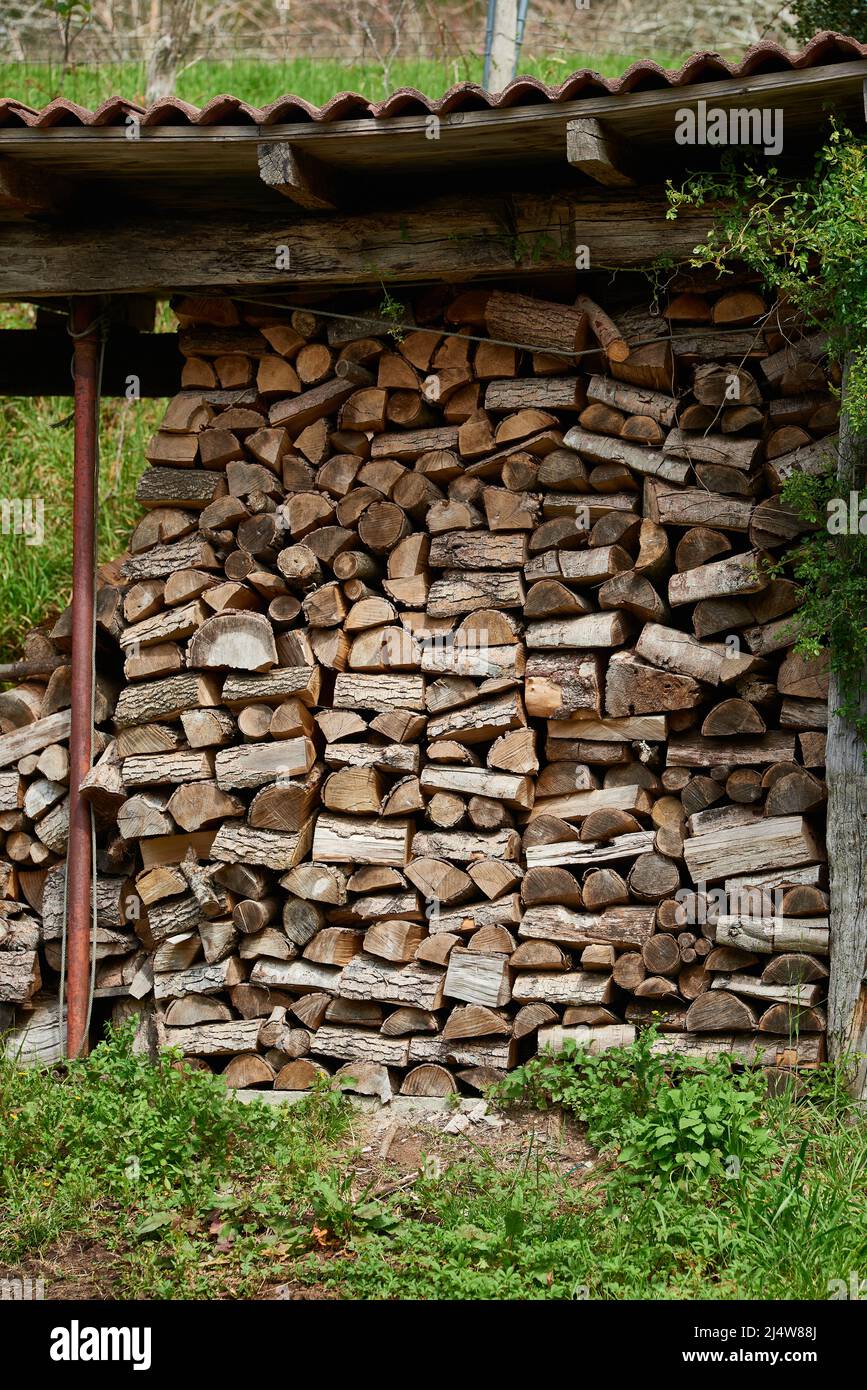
pixel 807 239
pixel 393 311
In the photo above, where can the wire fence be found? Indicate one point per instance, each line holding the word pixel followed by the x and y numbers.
pixel 358 31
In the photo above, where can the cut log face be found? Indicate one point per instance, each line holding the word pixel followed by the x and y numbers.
pixel 555 687
pixel 720 1013
pixel 636 687
pixel 446 706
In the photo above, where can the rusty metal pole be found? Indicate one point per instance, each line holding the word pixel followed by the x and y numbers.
pixel 79 886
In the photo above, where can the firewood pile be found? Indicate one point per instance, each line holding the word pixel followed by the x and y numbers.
pixel 448 706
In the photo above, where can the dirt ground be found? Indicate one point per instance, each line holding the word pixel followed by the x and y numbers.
pixel 390 1146
pixel 387 1148
pixel 404 1139
pixel 73 1269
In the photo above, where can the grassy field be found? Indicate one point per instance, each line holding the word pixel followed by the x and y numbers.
pixel 35 580
pixel 36 435
pixel 613 1181
pixel 314 79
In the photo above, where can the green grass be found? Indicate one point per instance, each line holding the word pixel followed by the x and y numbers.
pixel 191 1192
pixel 706 1189
pixel 35 580
pixel 480 1232
pixel 312 78
pixel 180 1191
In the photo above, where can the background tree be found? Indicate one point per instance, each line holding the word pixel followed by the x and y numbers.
pixel 842 16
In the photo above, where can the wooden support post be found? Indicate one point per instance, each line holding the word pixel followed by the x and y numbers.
pixel 79 884
pixel 846 773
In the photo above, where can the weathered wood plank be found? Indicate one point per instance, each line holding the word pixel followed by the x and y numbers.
pixel 777 842
pixel 624 927
pixel 413 243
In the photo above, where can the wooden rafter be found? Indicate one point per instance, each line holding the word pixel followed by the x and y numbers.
pixel 297 176
pixel 596 151
pixel 26 191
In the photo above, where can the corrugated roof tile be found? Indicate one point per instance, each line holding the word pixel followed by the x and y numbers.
pixel 116 111
pixel 765 57
pixel 171 111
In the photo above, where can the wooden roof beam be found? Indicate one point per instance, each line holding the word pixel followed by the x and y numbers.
pixel 24 190
pixel 500 236
pixel 596 151
pixel 297 175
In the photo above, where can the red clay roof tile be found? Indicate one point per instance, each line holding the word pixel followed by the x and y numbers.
pixel 825 48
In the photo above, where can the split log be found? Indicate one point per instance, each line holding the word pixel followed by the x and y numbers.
pixel 778 842
pixel 622 927
pixel 590 1040
pixel 417 985
pixel 632 400
pixel 215 1039
pixel 764 935
pixel 720 1013
pixel 238 844
pixel 255 765
pixel 576 987
pixel 602 449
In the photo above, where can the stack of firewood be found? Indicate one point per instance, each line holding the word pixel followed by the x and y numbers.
pixel 34 825
pixel 459 713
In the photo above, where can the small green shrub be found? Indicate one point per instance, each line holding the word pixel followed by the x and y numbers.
pixel 830 570
pixel 88 1120
pixel 708 1125
pixel 699 1123
pixel 600 1091
pixel 166 1149
pixel 337 1209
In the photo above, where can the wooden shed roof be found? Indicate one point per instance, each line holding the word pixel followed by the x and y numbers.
pixel 765 59
pixel 124 200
